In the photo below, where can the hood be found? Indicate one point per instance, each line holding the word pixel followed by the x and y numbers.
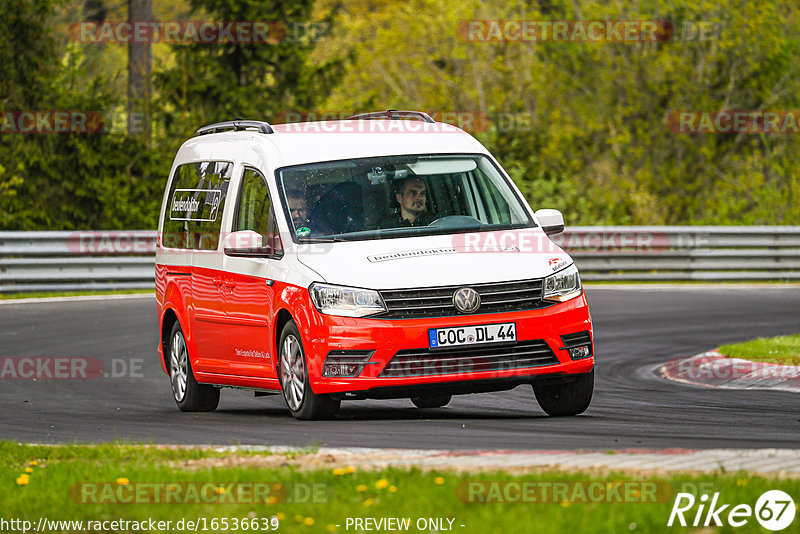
pixel 427 261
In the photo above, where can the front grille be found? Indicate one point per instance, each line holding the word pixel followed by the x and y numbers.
pixel 422 362
pixel 438 301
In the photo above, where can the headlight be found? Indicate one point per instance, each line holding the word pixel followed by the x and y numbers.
pixel 562 286
pixel 345 301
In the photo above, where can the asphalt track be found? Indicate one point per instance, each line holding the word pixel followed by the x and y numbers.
pixel 635 329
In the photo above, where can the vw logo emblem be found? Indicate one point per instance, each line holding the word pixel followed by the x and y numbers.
pixel 466 300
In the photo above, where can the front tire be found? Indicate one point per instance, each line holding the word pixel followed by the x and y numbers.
pixel 567 399
pixel 293 371
pixel 189 395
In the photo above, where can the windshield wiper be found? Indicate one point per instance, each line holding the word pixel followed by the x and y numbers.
pixel 409 231
pixel 320 240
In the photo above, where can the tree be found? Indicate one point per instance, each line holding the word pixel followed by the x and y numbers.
pixel 219 81
pixel 581 126
pixel 75 180
pixel 139 65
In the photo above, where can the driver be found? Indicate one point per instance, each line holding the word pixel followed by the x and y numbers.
pixel 412 199
pixel 297 207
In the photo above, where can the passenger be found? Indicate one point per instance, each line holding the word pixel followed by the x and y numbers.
pixel 412 203
pixel 297 208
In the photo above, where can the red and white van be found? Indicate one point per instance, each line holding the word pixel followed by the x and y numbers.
pixel 379 257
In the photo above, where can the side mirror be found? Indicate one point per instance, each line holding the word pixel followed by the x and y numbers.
pixel 551 221
pixel 249 243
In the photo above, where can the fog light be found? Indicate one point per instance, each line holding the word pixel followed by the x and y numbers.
pixel 347 363
pixel 578 345
pixel 576 353
pixel 340 369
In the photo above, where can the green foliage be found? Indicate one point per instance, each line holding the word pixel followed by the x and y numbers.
pixel 113 180
pixel 72 180
pixel 595 141
pixel 65 180
pixel 580 126
pixel 215 82
pixel 24 52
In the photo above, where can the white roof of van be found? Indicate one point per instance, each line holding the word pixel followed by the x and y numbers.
pixel 307 142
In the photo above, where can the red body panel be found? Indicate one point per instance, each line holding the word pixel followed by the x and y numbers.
pixel 208 322
pixel 238 349
pixel 173 293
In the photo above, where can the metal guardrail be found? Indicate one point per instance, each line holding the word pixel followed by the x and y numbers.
pixel 77 261
pixel 103 260
pixel 684 253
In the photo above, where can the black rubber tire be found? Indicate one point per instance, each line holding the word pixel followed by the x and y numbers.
pixel 567 399
pixel 196 397
pixel 436 401
pixel 311 406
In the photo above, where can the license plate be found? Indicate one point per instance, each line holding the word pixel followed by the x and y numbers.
pixel 472 335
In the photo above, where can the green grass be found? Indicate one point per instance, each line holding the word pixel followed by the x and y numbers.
pixel 46 294
pixel 782 349
pixel 54 491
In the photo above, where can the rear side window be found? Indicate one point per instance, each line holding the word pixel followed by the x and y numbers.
pixel 195 205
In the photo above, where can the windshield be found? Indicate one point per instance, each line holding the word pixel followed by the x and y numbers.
pixel 398 196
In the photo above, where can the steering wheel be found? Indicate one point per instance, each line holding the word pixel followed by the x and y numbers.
pixel 455 221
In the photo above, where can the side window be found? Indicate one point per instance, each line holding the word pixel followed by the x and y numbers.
pixel 195 205
pixel 255 211
pixel 446 195
pixel 496 205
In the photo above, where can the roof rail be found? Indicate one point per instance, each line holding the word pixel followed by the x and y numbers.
pixel 236 125
pixel 393 114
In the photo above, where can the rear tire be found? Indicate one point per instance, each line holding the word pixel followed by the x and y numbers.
pixel 567 399
pixel 431 402
pixel 293 372
pixel 189 395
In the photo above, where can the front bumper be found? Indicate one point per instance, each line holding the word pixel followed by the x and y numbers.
pixel 384 338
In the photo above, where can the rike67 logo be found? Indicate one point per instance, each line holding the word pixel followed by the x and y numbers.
pixel 774 510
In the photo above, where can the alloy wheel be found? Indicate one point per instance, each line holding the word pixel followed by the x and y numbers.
pixel 293 372
pixel 178 366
